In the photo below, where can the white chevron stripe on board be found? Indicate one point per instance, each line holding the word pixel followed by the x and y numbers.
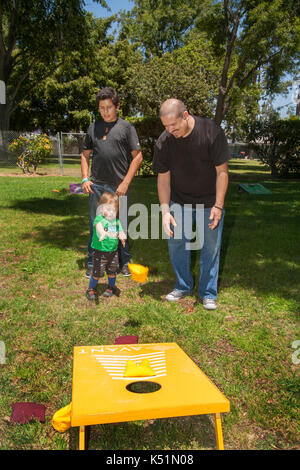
pixel 135 356
pixel 122 369
pixel 139 378
pixel 123 364
pixel 115 365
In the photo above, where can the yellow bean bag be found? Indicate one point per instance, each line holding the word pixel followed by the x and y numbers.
pixel 134 370
pixel 138 272
pixel 61 420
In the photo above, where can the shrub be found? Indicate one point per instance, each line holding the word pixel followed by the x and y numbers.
pixel 31 151
pixel 277 144
pixel 148 130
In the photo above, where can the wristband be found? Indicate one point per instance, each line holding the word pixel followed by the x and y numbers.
pixel 220 208
pixel 84 180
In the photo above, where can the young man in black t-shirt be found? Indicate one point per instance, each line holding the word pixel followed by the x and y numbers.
pixel 116 157
pixel 190 159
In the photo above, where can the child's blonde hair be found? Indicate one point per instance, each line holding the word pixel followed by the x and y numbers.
pixel 108 198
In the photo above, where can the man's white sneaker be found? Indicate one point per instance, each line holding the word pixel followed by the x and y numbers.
pixel 209 304
pixel 175 295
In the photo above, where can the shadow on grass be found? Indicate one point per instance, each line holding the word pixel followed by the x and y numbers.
pixel 250 176
pixel 157 289
pixel 62 205
pixel 165 433
pixel 260 239
pixel 259 247
pixel 69 234
pixel 71 231
pixel 248 172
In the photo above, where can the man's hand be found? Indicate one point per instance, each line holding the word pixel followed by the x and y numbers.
pixel 122 188
pixel 215 217
pixel 87 187
pixel 122 237
pixel 168 219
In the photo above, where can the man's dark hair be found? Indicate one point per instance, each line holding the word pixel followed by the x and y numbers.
pixel 108 93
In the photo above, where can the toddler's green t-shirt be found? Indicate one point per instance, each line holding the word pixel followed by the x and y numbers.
pixel 112 229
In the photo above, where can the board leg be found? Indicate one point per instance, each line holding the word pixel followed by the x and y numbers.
pixel 82 438
pixel 218 430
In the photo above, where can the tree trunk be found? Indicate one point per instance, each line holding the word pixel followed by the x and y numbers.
pixel 219 114
pixel 4 117
pixel 274 171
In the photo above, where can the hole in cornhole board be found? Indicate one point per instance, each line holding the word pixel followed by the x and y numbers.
pixel 143 386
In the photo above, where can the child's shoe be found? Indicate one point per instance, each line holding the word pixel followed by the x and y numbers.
pixel 109 292
pixel 91 294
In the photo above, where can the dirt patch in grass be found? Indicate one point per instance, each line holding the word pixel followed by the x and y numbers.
pixel 25 175
pixel 72 172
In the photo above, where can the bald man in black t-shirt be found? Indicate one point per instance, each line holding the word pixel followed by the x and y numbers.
pixel 190 159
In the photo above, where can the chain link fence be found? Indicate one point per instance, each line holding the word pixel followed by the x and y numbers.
pixel 64 160
pixel 67 148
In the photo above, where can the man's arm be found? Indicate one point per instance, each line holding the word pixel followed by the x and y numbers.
pixel 122 237
pixel 137 159
pixel 164 191
pixel 164 195
pixel 85 159
pixel 221 184
pixel 221 189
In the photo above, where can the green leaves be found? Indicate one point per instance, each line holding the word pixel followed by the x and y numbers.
pixel 259 35
pixel 189 73
pixel 31 151
pixel 216 55
pixel 159 26
pixel 37 35
pixel 277 143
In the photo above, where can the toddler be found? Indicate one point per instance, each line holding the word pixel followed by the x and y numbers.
pixel 107 232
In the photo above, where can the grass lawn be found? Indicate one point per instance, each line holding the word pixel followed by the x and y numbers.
pixel 245 346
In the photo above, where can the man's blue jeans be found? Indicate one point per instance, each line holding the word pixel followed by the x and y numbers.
pixel 124 255
pixel 180 253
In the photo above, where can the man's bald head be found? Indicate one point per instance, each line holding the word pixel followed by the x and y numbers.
pixel 172 107
pixel 176 119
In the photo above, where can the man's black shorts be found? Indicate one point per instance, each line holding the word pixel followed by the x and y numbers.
pixel 105 261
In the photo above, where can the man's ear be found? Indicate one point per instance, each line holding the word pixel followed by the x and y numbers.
pixel 185 115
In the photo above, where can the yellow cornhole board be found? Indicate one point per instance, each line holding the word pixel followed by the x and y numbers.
pixel 102 394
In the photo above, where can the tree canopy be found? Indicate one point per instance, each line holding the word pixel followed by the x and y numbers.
pixel 189 73
pixel 218 56
pixel 261 35
pixel 32 33
pixel 159 26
